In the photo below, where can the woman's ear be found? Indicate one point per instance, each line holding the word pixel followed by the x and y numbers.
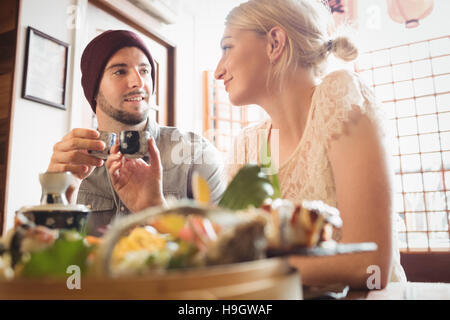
pixel 276 43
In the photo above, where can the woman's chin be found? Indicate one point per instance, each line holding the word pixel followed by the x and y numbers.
pixel 238 101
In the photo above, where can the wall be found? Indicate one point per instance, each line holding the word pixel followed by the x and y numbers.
pixel 208 18
pixel 8 36
pixel 35 127
pixel 377 30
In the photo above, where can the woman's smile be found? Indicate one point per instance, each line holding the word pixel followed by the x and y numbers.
pixel 226 82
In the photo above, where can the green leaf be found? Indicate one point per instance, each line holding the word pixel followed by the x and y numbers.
pixel 249 187
pixel 182 257
pixel 53 261
pixel 276 186
pixel 269 166
pixel 253 184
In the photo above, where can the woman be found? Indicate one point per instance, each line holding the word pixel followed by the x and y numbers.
pixel 330 142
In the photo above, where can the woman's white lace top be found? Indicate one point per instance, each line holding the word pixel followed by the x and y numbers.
pixel 307 174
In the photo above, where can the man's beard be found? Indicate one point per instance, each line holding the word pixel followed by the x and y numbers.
pixel 120 115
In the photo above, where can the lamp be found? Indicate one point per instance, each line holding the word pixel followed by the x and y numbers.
pixel 409 12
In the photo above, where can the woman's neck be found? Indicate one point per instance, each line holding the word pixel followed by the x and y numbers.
pixel 289 110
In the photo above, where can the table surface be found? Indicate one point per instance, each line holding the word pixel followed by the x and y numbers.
pixel 405 291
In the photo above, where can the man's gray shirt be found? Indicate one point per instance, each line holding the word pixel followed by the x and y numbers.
pixel 182 154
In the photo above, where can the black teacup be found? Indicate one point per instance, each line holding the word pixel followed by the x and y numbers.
pixel 134 144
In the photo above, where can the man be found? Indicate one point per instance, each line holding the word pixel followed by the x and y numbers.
pixel 118 78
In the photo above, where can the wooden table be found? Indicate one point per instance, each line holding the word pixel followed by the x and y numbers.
pixel 406 291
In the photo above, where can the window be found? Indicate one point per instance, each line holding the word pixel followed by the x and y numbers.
pixel 222 119
pixel 413 83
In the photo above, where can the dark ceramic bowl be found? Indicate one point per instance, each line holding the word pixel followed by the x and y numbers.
pixel 58 216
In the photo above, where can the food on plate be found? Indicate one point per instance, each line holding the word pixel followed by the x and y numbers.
pixel 27 237
pixel 139 250
pixel 289 224
pixel 243 241
pixel 6 271
pixel 250 222
pixel 37 251
pixel 302 225
pixel 200 189
pixel 189 235
pixel 180 237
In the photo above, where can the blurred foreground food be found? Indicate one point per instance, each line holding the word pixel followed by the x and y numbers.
pixel 246 223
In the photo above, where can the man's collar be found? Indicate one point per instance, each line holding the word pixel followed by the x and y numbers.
pixel 153 128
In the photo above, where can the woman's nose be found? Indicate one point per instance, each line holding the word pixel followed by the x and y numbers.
pixel 220 71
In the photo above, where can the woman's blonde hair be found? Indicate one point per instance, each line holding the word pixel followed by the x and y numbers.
pixel 307 24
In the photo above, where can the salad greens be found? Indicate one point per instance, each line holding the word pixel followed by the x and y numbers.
pixel 54 260
pixel 253 184
pixel 269 166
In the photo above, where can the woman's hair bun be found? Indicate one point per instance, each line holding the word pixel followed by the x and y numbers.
pixel 344 48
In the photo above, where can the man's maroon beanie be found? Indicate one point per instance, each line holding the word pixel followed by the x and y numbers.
pixel 97 54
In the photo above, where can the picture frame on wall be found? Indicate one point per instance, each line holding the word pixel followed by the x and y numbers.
pixel 45 69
